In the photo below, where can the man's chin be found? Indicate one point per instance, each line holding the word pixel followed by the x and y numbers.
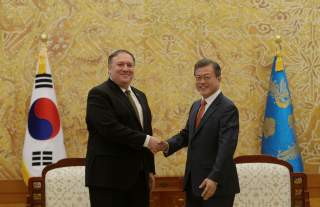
pixel 126 82
pixel 202 93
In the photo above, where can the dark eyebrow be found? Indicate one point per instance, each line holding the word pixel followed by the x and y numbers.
pixel 203 74
pixel 125 62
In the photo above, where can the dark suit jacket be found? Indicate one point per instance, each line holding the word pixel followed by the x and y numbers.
pixel 210 147
pixel 115 152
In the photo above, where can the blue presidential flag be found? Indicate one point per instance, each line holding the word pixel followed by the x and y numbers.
pixel 279 138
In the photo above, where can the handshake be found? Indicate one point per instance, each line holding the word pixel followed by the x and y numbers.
pixel 155 145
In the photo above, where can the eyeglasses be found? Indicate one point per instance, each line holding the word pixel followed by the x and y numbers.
pixel 205 78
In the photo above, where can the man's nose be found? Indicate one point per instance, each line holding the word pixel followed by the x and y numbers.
pixel 126 67
pixel 202 80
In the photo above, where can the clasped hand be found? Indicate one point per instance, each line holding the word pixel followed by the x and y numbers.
pixel 155 145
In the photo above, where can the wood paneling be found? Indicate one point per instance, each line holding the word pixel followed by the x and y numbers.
pixel 314 185
pixel 168 189
pixel 168 192
pixel 12 191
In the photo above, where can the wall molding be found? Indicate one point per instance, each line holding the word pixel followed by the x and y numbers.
pixel 15 191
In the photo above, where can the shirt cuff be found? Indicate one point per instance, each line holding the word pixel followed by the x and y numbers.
pixel 146 142
pixel 166 151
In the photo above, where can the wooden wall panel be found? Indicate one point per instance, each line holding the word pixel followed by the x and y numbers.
pixel 15 191
pixel 314 185
pixel 12 191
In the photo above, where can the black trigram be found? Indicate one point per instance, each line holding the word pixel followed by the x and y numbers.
pixel 41 158
pixel 43 81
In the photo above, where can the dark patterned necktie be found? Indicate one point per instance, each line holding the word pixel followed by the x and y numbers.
pixel 128 93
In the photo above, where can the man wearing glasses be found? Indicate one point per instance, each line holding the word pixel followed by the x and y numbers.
pixel 211 135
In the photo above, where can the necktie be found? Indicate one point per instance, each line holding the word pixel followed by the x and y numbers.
pixel 200 112
pixel 128 93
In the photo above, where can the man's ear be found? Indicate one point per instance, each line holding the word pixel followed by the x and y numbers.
pixel 219 78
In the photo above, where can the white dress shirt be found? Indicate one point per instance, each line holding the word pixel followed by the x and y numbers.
pixel 139 108
pixel 210 99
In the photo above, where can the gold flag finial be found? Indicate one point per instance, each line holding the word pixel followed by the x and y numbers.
pixel 278 39
pixel 43 54
pixel 279 63
pixel 44 37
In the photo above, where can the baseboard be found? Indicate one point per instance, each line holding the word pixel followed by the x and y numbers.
pixel 12 191
pixel 15 191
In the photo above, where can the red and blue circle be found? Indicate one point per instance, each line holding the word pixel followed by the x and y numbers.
pixel 43 120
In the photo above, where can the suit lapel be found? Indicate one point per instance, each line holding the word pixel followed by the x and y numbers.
pixel 124 99
pixel 209 112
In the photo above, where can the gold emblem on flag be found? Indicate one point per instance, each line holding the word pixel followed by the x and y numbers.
pixel 289 154
pixel 269 127
pixel 280 93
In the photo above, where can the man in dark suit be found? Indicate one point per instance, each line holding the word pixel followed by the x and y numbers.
pixel 211 135
pixel 119 163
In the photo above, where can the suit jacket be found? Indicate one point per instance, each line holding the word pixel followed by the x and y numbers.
pixel 210 147
pixel 115 152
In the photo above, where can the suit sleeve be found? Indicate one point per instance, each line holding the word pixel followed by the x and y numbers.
pixel 177 142
pixel 147 153
pixel 180 140
pixel 228 138
pixel 102 119
pixel 150 161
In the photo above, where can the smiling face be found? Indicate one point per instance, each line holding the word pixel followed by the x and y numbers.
pixel 121 69
pixel 207 83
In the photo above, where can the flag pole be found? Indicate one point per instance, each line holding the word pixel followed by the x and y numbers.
pixel 43 44
pixel 279 64
pixel 278 42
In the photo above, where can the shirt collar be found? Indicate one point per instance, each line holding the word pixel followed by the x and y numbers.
pixel 124 90
pixel 211 98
